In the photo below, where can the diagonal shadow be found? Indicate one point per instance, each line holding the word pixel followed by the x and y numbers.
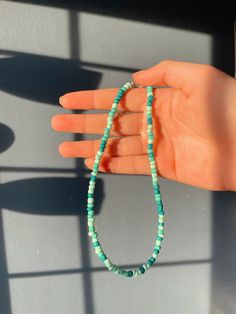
pixel 43 79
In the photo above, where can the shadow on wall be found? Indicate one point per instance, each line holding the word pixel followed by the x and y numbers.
pixel 43 79
pixel 50 196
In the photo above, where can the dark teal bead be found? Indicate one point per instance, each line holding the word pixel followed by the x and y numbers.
pixel 150 262
pixel 142 269
pixel 156 251
pixel 149 120
pixel 151 155
pixel 90 195
pixel 160 223
pixel 125 273
pixel 150 98
pixel 130 273
pixel 159 238
pixel 150 145
pixel 93 178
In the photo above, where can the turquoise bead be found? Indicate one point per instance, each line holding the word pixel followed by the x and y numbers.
pixel 142 269
pixel 149 120
pixel 93 178
pixel 130 273
pixel 102 256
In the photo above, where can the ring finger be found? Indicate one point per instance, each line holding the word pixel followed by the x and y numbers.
pixel 116 147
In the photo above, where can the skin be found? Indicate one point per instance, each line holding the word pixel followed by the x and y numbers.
pixel 193 124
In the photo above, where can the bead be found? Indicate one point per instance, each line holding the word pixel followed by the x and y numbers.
pixel 158 242
pixel 130 273
pixel 142 269
pixel 102 256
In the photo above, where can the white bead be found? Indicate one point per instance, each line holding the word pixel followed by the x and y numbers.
pixel 154 255
pixel 158 242
pixel 144 266
pixel 90 200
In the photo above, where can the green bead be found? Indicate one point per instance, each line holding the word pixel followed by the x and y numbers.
pixel 130 273
pixel 150 262
pixel 114 268
pixel 102 256
pixel 125 273
pixel 142 269
pixel 93 178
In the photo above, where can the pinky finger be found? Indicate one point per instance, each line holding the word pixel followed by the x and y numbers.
pixel 136 164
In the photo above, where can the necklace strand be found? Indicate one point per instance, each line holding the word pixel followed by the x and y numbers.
pixel 157 193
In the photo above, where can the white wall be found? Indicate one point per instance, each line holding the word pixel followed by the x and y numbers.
pixel 48 265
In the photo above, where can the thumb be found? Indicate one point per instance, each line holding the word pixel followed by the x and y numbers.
pixel 180 75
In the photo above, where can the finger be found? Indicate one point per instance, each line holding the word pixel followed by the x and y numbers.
pixel 133 100
pixel 116 147
pixel 138 164
pixel 123 123
pixel 181 75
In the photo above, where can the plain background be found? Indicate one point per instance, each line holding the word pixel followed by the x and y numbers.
pixel 47 263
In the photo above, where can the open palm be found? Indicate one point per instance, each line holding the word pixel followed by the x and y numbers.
pixel 188 125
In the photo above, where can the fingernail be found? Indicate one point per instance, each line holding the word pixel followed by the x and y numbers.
pixel 62 99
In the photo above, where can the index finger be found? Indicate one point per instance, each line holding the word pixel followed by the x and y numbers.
pixel 133 100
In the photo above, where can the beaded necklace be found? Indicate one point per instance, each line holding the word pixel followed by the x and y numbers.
pixel 90 201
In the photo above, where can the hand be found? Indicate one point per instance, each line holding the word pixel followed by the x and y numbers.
pixel 193 124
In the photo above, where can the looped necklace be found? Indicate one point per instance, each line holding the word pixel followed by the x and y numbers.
pixel 90 201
